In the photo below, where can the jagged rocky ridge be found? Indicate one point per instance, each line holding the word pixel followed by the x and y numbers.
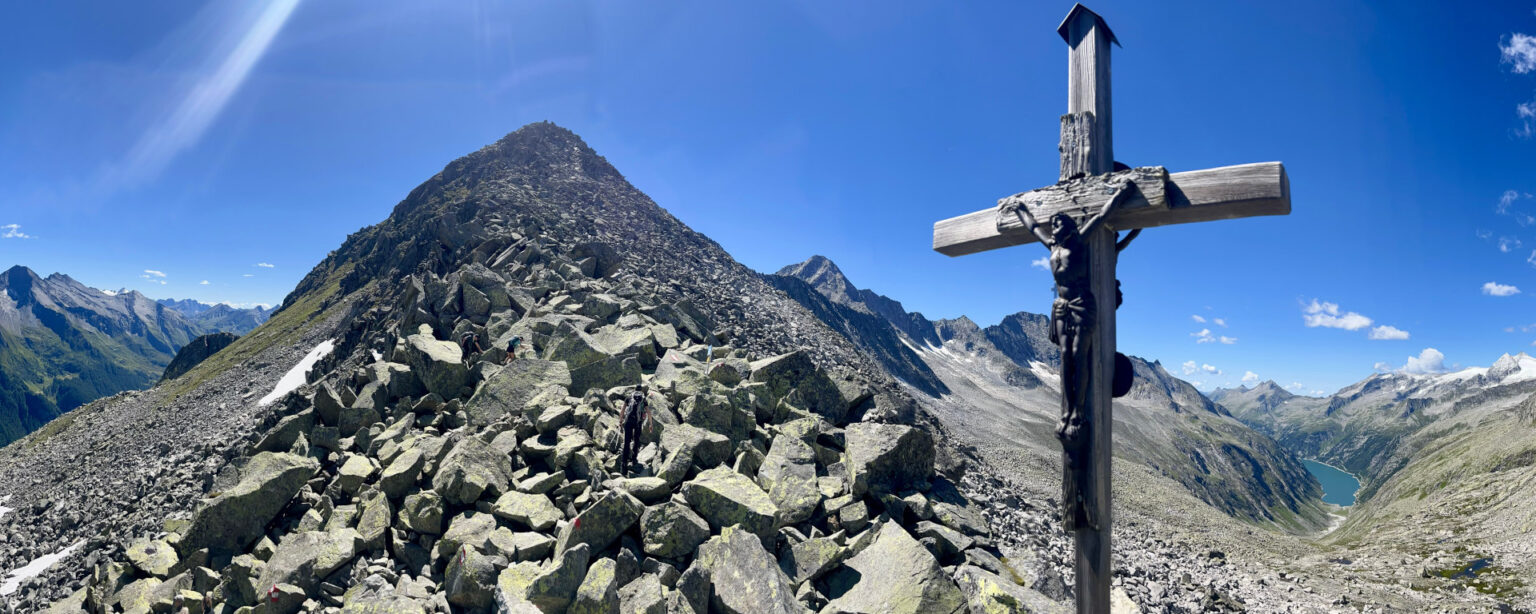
pixel 195 352
pixel 998 386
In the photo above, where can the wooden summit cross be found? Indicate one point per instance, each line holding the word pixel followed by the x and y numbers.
pixel 1078 219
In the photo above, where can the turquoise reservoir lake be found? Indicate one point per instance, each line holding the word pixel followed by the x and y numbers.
pixel 1338 487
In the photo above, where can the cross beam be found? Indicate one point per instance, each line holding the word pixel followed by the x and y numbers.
pixel 1102 197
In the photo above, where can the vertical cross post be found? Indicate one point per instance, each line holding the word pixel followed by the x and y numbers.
pixel 1088 93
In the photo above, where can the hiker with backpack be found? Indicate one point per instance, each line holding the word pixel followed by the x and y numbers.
pixel 512 349
pixel 633 417
pixel 469 343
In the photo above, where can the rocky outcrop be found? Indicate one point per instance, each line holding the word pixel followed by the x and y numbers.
pixel 195 352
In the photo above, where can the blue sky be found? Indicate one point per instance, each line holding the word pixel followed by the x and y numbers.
pixel 203 142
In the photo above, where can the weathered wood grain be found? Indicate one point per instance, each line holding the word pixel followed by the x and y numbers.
pixel 1076 145
pixel 1228 192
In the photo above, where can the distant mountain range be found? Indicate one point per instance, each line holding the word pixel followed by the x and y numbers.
pixel 64 344
pixel 999 387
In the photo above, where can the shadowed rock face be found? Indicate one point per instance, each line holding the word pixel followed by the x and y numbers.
pixel 195 352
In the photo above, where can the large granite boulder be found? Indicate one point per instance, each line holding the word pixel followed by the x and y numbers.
pixel 471 470
pixel 303 559
pixel 794 377
pixel 788 473
pixel 230 520
pixel 672 531
pixel 895 574
pixel 887 458
pixel 746 578
pixel 547 588
pixel 510 389
pixel 986 592
pixel 726 498
pixel 438 364
pixel 601 523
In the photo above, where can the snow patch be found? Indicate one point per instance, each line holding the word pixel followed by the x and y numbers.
pixel 377 356
pixel 1044 372
pixel 3 509
pixel 295 376
pixel 36 567
pixel 1464 374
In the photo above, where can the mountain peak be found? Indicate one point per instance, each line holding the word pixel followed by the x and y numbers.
pixel 821 273
pixel 541 148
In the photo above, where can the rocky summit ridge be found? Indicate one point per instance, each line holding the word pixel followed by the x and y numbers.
pixel 781 471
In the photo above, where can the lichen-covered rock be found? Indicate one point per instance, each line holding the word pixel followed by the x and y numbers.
pixel 439 364
pixel 788 473
pixel 601 523
pixel 809 559
pixel 536 512
pixel 229 521
pixel 511 388
pixel 471 528
pixel 645 595
pixel 402 473
pixel 725 498
pixel 746 579
pixel 599 591
pixel 548 588
pixel 353 473
pixel 886 458
pixel 647 489
pixel 373 519
pixel 672 531
pixel 303 559
pixel 470 578
pixel 608 372
pixel 894 574
pixel 281 437
pixel 154 557
pixel 471 470
pixel 795 373
pixel 988 593
pixel 423 513
pixel 707 447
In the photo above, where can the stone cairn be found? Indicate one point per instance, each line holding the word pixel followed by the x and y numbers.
pixel 415 479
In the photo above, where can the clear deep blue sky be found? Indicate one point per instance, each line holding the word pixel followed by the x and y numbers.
pixel 200 142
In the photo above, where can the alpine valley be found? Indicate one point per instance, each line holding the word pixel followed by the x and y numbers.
pixel 812 446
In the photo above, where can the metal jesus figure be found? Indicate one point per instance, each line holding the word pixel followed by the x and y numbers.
pixel 1073 315
pixel 1093 197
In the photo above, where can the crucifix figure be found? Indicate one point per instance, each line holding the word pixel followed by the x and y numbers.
pixel 1093 199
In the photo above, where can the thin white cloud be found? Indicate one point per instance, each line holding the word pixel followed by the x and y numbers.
pixel 1526 111
pixel 1220 322
pixel 13 231
pixel 184 126
pixel 1428 361
pixel 1204 336
pixel 1043 263
pixel 1190 367
pixel 1250 377
pixel 203 282
pixel 1198 318
pixel 148 272
pixel 1508 244
pixel 264 265
pixel 248 275
pixel 1328 315
pixel 1225 340
pixel 1498 289
pixel 1210 369
pixel 1388 333
pixel 1519 51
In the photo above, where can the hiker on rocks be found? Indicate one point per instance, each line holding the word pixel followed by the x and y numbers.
pixel 512 349
pixel 634 415
pixel 467 341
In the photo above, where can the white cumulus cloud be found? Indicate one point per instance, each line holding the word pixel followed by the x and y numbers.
pixel 1328 315
pixel 13 231
pixel 1190 367
pixel 1428 361
pixel 1210 369
pixel 1198 318
pixel 203 282
pixel 1388 333
pixel 1250 377
pixel 1519 51
pixel 1498 289
pixel 1222 322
